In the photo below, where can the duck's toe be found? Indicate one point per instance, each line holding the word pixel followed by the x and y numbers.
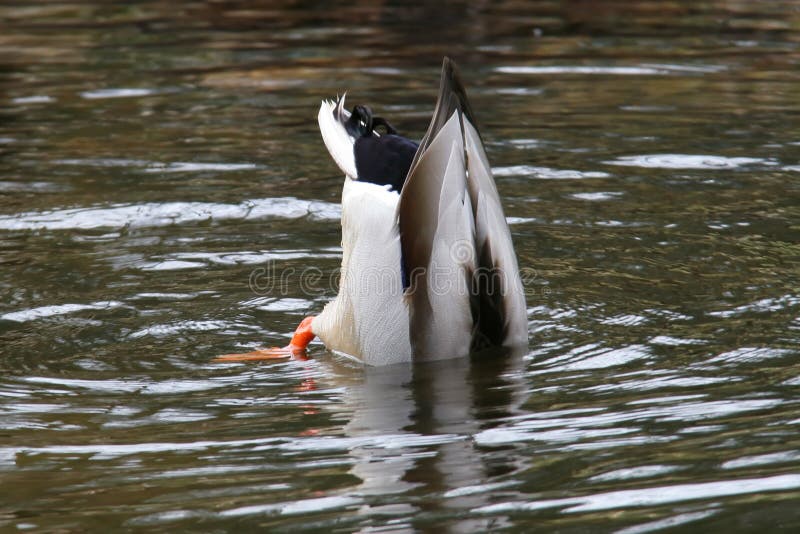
pixel 273 353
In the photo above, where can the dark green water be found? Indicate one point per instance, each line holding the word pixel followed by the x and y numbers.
pixel 164 191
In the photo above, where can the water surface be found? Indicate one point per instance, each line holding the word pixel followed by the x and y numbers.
pixel 165 197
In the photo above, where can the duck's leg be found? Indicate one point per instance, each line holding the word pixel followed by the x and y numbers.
pixel 296 347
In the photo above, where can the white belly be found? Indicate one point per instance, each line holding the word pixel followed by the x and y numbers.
pixel 368 319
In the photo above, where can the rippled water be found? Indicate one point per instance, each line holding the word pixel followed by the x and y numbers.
pixel 164 191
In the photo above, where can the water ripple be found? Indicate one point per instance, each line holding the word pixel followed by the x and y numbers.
pixel 599 358
pixel 642 471
pixel 304 506
pixel 143 386
pixel 169 213
pixel 762 459
pixel 33 99
pixel 634 70
pixel 597 196
pixel 582 429
pixel 121 92
pixel 170 329
pixel 191 260
pixel 654 496
pixel 772 304
pixel 685 161
pixel 56 310
pixel 546 173
pixel 668 522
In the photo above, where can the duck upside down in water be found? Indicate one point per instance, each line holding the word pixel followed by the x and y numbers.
pixel 428 266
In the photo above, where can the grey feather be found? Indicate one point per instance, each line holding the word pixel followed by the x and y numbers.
pixel 451 221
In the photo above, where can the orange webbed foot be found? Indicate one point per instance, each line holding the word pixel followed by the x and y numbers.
pixel 274 353
pixel 295 349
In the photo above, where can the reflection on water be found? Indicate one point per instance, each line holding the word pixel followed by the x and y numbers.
pixel 165 197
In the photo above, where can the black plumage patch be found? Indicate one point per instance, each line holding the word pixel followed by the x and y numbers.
pixel 384 160
pixel 380 159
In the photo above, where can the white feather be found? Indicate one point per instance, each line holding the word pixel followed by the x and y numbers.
pixel 368 319
pixel 338 142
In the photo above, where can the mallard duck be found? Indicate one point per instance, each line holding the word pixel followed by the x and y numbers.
pixel 428 266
